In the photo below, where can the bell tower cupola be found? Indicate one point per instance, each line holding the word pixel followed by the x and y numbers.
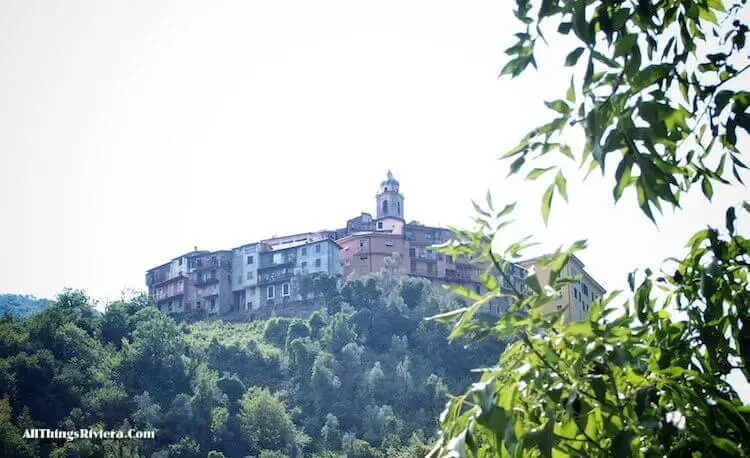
pixel 390 202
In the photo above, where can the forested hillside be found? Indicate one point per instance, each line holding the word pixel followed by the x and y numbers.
pixel 365 376
pixel 20 305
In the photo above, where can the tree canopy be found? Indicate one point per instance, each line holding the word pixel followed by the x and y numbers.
pixel 656 92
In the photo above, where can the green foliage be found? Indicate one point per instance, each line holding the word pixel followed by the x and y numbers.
pixel 265 422
pixel 333 385
pixel 650 82
pixel 21 306
pixel 646 374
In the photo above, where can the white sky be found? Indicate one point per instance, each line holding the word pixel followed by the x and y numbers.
pixel 132 131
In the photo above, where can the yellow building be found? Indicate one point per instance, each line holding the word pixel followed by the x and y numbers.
pixel 575 298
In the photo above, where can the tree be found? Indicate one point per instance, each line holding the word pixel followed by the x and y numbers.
pixel 647 376
pixel 265 422
pixel 153 361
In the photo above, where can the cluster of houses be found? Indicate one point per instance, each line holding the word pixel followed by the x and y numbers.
pixel 268 274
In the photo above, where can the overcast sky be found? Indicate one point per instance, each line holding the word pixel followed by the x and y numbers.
pixel 132 131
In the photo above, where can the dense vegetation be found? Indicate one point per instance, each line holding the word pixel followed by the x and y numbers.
pixel 20 305
pixel 366 376
pixel 656 91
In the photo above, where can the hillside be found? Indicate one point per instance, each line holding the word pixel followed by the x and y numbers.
pixel 20 305
pixel 366 376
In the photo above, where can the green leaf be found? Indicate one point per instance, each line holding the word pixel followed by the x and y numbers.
pixel 533 282
pixel 547 202
pixel 559 106
pixel 570 96
pixel 651 75
pixel 621 444
pixel 573 57
pixel 447 317
pixel 506 210
pixel 562 185
pixel 516 165
pixel 707 188
pixel 625 44
pixel 731 217
pixel 536 173
pixel 605 60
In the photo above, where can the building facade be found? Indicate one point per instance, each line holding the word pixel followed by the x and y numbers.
pixel 268 273
pixel 575 299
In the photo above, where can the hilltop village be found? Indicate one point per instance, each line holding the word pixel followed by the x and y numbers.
pixel 266 275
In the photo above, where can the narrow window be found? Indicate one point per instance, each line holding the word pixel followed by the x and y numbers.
pixel 380 225
pixel 270 292
pixel 317 263
pixel 251 259
pixel 317 248
pixel 398 208
pixel 285 289
pixel 303 251
pixel 385 207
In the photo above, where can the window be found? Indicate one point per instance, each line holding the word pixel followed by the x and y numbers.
pixel 317 248
pixel 575 293
pixel 449 259
pixel 477 289
pixel 179 262
pixel 270 292
pixel 398 208
pixel 380 225
pixel 239 278
pixel 303 251
pixel 197 305
pixel 317 263
pixel 248 305
pixel 363 258
pixel 559 307
pixel 385 207
pixel 361 243
pixel 304 264
pixel 413 252
pixel 251 259
pixel 213 303
pixel 285 289
pixel 250 275
pixel 585 289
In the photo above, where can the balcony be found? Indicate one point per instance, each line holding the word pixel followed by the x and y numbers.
pixel 206 281
pixel 275 276
pixel 268 262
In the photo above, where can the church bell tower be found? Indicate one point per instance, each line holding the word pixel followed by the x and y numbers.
pixel 390 203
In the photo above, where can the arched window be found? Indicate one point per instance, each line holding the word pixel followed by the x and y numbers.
pixel 385 207
pixel 398 208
